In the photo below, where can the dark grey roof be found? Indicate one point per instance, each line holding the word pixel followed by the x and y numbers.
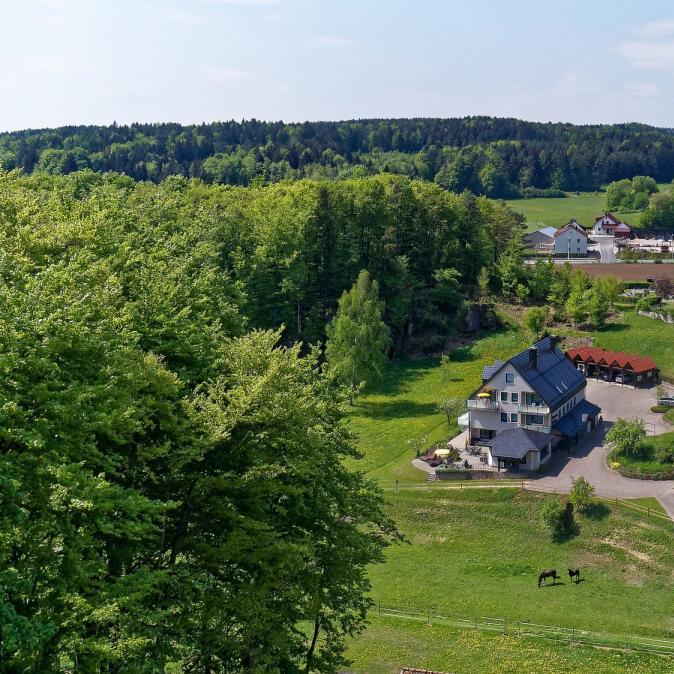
pixel 515 443
pixel 572 422
pixel 554 378
pixel 488 371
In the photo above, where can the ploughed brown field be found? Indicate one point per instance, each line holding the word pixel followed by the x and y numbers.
pixel 629 272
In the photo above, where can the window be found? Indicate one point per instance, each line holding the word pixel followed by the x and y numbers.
pixel 513 418
pixel 504 417
pixel 510 377
pixel 514 397
pixel 534 419
pixel 533 399
pixel 504 396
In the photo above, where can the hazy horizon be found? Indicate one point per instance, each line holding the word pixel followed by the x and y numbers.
pixel 73 62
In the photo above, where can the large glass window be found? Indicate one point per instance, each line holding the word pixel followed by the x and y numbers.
pixel 534 419
pixel 533 399
pixel 510 377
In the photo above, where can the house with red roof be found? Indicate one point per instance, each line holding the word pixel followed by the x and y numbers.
pixel 609 224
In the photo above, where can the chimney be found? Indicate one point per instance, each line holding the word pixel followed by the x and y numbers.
pixel 533 357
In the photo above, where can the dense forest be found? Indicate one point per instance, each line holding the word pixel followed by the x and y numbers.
pixel 174 490
pixel 494 157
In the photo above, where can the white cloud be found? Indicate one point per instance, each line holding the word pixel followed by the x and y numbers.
pixel 219 75
pixel 330 41
pixel 652 48
pixel 657 29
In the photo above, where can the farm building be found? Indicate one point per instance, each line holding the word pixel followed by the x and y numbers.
pixel 614 366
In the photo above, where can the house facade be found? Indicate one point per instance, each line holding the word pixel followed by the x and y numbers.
pixel 571 240
pixel 542 239
pixel 538 390
pixel 608 224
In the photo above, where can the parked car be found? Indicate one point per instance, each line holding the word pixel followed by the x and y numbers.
pixel 666 401
pixel 619 379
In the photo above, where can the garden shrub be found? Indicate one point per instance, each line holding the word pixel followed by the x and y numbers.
pixel 556 517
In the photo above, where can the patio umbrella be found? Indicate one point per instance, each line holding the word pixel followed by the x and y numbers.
pixel 484 395
pixel 441 452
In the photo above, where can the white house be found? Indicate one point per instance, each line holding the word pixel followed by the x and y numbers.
pixel 571 240
pixel 610 225
pixel 538 390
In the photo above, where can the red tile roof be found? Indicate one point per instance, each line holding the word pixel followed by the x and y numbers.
pixel 637 363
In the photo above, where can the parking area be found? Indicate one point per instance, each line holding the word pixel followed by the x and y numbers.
pixel 626 402
pixel 588 458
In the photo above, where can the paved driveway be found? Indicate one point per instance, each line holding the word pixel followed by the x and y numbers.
pixel 588 458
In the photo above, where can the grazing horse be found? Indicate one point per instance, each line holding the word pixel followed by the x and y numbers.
pixel 548 573
pixel 574 573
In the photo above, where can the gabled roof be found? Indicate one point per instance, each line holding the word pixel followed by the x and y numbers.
pixel 516 443
pixel 554 378
pixel 639 364
pixel 608 215
pixel 573 225
pixel 549 231
pixel 622 227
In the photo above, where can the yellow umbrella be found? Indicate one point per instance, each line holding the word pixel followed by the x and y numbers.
pixel 484 395
pixel 441 452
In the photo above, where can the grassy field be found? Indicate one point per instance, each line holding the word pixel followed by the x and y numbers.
pixel 389 644
pixel 402 406
pixel 556 212
pixel 478 552
pixel 645 459
pixel 638 334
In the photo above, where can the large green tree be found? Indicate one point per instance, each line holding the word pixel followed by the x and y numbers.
pixel 358 338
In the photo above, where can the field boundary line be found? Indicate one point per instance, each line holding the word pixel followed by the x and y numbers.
pixel 522 628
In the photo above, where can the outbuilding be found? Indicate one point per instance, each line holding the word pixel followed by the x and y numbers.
pixel 520 448
pixel 614 366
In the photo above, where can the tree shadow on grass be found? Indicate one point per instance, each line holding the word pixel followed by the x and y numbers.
pixel 615 327
pixel 597 511
pixel 395 409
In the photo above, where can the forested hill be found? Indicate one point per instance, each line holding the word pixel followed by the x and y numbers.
pixel 495 157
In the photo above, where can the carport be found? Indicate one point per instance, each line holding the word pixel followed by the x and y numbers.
pixel 614 366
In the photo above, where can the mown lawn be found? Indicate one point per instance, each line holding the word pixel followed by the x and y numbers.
pixel 646 457
pixel 389 643
pixel 557 212
pixel 402 406
pixel 479 552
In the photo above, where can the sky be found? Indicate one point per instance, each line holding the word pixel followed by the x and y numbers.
pixel 190 61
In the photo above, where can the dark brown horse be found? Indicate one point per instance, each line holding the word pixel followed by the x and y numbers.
pixel 574 573
pixel 548 573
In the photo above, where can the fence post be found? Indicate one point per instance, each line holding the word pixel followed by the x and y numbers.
pixel 573 635
pixel 429 616
pixel 475 621
pixel 380 609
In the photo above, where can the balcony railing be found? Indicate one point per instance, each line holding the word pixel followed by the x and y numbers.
pixel 533 409
pixel 536 427
pixel 482 404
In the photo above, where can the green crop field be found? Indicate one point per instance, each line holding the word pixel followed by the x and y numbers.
pixel 584 207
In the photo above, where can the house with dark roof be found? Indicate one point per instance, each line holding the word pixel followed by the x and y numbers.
pixel 527 405
pixel 541 239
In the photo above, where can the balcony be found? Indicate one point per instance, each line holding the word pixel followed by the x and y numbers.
pixel 536 427
pixel 482 404
pixel 533 409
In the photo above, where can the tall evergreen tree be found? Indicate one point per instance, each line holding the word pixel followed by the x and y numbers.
pixel 358 338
